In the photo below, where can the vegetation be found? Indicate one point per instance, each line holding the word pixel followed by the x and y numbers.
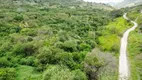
pixel 134 47
pixel 50 40
pixel 109 40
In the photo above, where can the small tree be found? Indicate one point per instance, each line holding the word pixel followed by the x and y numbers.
pixel 7 74
pixel 19 18
pixel 57 73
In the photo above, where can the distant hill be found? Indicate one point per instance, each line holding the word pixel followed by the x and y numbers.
pixel 128 3
pixel 59 3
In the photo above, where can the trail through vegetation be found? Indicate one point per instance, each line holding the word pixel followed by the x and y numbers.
pixel 123 59
pixel 62 39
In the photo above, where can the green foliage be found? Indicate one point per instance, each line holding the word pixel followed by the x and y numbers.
pixel 24 49
pixel 46 55
pixel 29 32
pixel 79 75
pixel 69 46
pixel 6 28
pixel 57 72
pixel 5 47
pixel 27 61
pixel 134 46
pixel 109 42
pixel 7 74
pixel 27 73
pixel 92 65
pixel 84 46
pixel 4 62
pixel 37 33
pixel 110 38
pixel 118 26
pixel 92 60
pixel 116 13
pixel 62 73
pixel 98 66
pixel 19 18
pixel 67 59
pixel 135 55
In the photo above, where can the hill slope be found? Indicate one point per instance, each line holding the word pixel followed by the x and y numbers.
pixel 129 3
pixel 58 3
pixel 51 40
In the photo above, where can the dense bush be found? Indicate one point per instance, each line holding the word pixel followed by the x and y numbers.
pixel 57 72
pixel 7 74
pixel 35 34
pixel 134 46
pixel 69 46
pixel 116 13
pixel 29 32
pixel 66 59
pixel 24 49
pixel 79 75
pixel 27 61
pixel 99 65
pixel 63 73
pixel 45 56
pixel 19 18
pixel 4 62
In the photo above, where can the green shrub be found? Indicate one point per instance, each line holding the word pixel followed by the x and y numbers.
pixel 45 55
pixel 66 59
pixel 5 47
pixel 29 49
pixel 92 64
pixel 116 13
pixel 19 18
pixel 2 16
pixel 109 42
pixel 4 62
pixel 19 49
pixel 57 73
pixel 69 46
pixel 26 49
pixel 6 29
pixel 63 36
pixel 79 75
pixel 29 32
pixel 7 74
pixel 79 56
pixel 28 61
pixel 84 47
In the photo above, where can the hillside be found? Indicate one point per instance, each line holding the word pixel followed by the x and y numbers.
pixel 59 40
pixel 58 3
pixel 135 40
pixel 44 40
pixel 128 3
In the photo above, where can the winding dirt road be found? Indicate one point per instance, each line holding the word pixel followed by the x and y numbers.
pixel 123 61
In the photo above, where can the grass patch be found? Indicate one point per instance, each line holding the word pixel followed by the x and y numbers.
pixel 135 55
pixel 110 40
pixel 27 73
